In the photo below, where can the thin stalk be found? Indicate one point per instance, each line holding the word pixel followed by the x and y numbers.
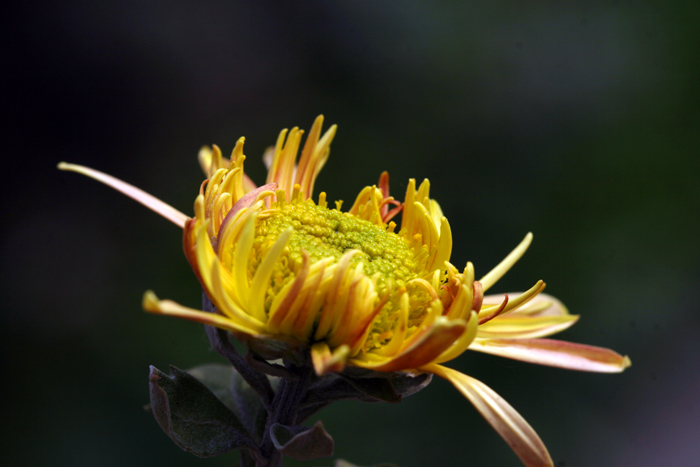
pixel 285 407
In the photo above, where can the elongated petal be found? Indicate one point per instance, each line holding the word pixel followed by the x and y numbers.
pixel 227 306
pixel 152 304
pixel 501 416
pixel 392 347
pixel 555 353
pixel 541 305
pixel 524 327
pixel 281 308
pixel 496 273
pixel 262 276
pixel 150 201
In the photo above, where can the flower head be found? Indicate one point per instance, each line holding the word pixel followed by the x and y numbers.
pixel 288 273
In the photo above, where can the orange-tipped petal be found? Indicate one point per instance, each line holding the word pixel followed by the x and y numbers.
pixel 150 201
pixel 541 305
pixel 501 416
pixel 462 343
pixel 560 354
pixel 494 311
pixel 325 361
pixel 282 305
pixel 441 335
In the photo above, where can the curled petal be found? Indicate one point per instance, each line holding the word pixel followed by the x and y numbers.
pixel 541 305
pixel 441 335
pixel 462 343
pixel 487 313
pixel 494 311
pixel 555 353
pixel 247 201
pixel 501 416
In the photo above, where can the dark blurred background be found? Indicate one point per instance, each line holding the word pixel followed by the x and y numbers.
pixel 578 121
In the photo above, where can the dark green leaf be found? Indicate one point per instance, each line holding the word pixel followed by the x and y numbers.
pixel 231 389
pixel 194 417
pixel 217 378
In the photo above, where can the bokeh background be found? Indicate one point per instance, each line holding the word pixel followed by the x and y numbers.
pixel 578 121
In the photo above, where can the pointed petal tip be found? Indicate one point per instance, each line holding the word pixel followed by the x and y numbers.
pixel 326 361
pixel 507 422
pixel 626 363
pixel 150 302
pixel 556 353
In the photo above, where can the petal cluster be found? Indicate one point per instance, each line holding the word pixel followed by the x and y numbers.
pixel 281 266
pixel 351 288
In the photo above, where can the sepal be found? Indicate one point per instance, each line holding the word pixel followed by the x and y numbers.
pixel 302 442
pixel 362 385
pixel 389 387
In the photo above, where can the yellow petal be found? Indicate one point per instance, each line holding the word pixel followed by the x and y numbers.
pixel 262 276
pixel 325 361
pixel 524 327
pixel 223 300
pixel 444 246
pixel 392 347
pixel 281 310
pixel 152 304
pixel 335 299
pixel 462 343
pixel 321 153
pixel 496 273
pixel 436 214
pixel 512 427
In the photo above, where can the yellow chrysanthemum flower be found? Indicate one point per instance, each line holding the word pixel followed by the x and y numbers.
pixel 287 272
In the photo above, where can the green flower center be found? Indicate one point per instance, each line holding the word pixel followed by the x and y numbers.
pixel 324 232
